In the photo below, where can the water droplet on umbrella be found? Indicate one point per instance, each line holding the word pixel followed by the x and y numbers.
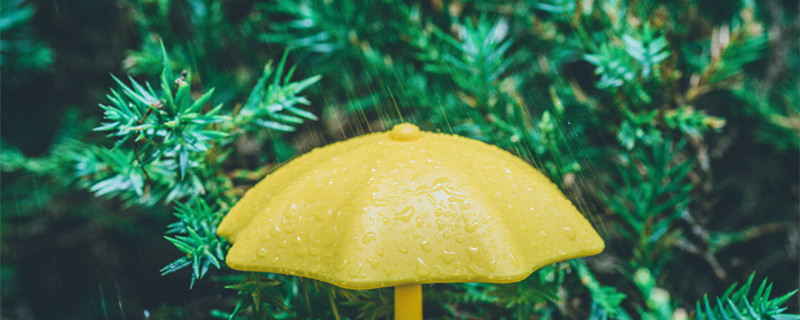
pixel 473 252
pixel 369 237
pixel 276 231
pixel 425 245
pixel 471 227
pixel 475 268
pixel 493 265
pixel 355 270
pixel 569 231
pixel 447 256
pixel 422 268
pixel 406 214
pixel 402 247
pixel 289 226
pixel 420 222
pixel 373 261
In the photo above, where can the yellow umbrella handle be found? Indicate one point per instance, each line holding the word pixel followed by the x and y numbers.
pixel 408 302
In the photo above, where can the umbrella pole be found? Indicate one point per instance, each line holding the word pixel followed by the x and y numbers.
pixel 408 302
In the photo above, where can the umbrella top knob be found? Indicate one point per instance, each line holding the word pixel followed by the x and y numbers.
pixel 405 132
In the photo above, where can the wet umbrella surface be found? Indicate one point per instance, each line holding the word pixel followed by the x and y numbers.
pixel 406 207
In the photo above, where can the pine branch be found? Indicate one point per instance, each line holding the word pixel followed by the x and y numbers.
pixel 652 195
pixel 273 105
pixel 739 304
pixel 195 234
pixel 166 126
pixel 607 298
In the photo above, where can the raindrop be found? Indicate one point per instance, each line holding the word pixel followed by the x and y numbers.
pixel 422 268
pixel 513 259
pixel 569 231
pixel 406 214
pixel 471 227
pixel 355 271
pixel 380 251
pixel 475 268
pixel 425 245
pixel 262 252
pixel 447 256
pixel 373 261
pixel 401 247
pixel 459 238
pixel 369 237
pixel 473 252
pixel 439 270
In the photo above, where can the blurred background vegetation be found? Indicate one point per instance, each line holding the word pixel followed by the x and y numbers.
pixel 673 125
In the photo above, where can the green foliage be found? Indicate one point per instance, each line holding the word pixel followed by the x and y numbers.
pixel 606 300
pixel 266 103
pixel 657 300
pixel 21 53
pixel 652 195
pixel 465 74
pixel 530 295
pixel 167 149
pixel 195 234
pixel 210 37
pixel 631 107
pixel 169 133
pixel 736 303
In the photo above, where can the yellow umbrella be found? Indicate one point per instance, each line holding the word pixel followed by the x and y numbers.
pixel 402 208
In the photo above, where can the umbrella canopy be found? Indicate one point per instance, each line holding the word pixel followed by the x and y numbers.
pixel 405 207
